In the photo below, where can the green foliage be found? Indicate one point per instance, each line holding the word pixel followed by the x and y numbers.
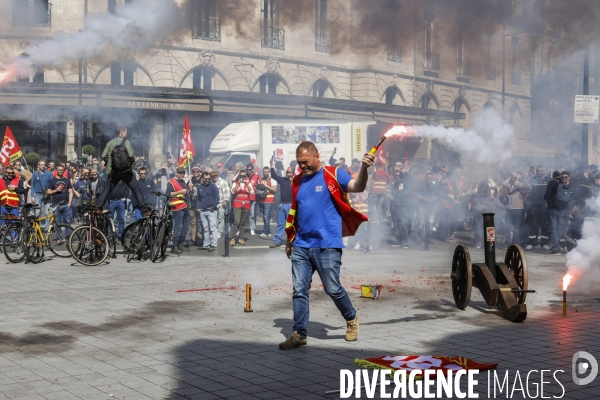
pixel 32 159
pixel 88 149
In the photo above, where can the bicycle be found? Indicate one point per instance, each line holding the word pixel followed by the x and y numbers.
pixel 12 235
pixel 88 244
pixel 164 229
pixel 35 239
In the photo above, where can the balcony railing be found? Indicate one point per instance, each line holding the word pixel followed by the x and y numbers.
pixel 490 73
pixel 274 38
pixel 324 43
pixel 431 61
pixel 515 78
pixel 27 13
pixel 395 55
pixel 463 67
pixel 208 29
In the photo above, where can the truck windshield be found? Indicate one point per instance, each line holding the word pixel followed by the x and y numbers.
pixel 216 159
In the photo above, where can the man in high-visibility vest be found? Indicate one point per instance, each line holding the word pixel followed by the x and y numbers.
pixel 179 208
pixel 11 187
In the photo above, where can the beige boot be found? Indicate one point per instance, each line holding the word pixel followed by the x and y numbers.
pixel 352 328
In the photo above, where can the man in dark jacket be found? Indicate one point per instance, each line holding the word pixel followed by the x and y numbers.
pixel 555 219
pixel 206 206
pixel 285 187
pixel 536 210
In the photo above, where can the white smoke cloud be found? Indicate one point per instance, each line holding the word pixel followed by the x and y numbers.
pixel 585 258
pixel 133 28
pixel 488 141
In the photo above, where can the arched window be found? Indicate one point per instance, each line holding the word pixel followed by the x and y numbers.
pixel 202 78
pixel 427 99
pixel 122 73
pixel 391 93
pixel 268 83
pixel 461 106
pixel 320 88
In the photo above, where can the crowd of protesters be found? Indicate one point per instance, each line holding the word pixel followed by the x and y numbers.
pixel 537 206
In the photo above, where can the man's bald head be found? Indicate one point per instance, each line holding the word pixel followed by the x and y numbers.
pixel 306 146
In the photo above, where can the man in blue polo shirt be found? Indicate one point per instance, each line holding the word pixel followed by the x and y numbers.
pixel 40 182
pixel 317 244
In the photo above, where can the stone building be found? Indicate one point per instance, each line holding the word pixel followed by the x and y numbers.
pixel 409 61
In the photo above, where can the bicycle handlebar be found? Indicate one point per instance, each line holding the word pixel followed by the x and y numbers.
pixel 162 194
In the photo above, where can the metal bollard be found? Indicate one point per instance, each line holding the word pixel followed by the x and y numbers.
pixel 226 232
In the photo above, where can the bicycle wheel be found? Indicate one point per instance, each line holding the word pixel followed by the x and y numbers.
pixel 58 241
pixel 34 250
pixel 166 238
pixel 88 245
pixel 157 243
pixel 129 233
pixel 137 243
pixel 12 243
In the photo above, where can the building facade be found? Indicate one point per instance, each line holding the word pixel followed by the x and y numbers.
pixel 408 61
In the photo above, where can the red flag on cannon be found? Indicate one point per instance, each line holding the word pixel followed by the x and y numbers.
pixel 186 151
pixel 10 148
pixel 408 363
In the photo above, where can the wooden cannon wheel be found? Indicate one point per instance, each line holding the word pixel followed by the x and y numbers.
pixel 461 276
pixel 516 263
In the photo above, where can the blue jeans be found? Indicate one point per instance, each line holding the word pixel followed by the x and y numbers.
pixel 327 263
pixel 118 206
pixel 556 228
pixel 265 209
pixel 181 224
pixel 44 204
pixel 209 225
pixel 282 214
pixel 136 216
pixel 63 215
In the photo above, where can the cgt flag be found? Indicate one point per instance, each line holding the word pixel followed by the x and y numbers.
pixel 380 154
pixel 10 148
pixel 186 151
pixel 408 363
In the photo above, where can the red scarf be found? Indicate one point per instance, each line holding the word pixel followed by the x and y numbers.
pixel 351 219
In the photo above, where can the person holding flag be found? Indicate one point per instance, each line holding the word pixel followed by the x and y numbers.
pixel 11 187
pixel 186 151
pixel 10 148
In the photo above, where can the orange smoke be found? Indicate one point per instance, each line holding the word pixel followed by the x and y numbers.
pixel 567 281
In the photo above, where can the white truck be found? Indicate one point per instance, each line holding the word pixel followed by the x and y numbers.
pixel 261 140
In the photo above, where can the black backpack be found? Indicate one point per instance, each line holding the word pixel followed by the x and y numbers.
pixel 120 158
pixel 562 197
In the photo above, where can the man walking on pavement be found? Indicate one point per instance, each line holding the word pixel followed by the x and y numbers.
pixel 179 208
pixel 285 187
pixel 319 217
pixel 119 158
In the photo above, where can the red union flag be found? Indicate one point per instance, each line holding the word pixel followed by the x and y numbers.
pixel 10 148
pixel 186 151
pixel 409 363
pixel 380 154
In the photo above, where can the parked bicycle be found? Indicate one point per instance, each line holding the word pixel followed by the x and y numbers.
pixel 89 244
pixel 55 238
pixel 152 233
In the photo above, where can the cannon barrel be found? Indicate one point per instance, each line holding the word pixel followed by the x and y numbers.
pixel 489 245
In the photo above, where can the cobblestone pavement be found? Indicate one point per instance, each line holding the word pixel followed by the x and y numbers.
pixel 122 331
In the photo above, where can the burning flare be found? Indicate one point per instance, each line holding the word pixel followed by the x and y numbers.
pixel 396 130
pixel 566 281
